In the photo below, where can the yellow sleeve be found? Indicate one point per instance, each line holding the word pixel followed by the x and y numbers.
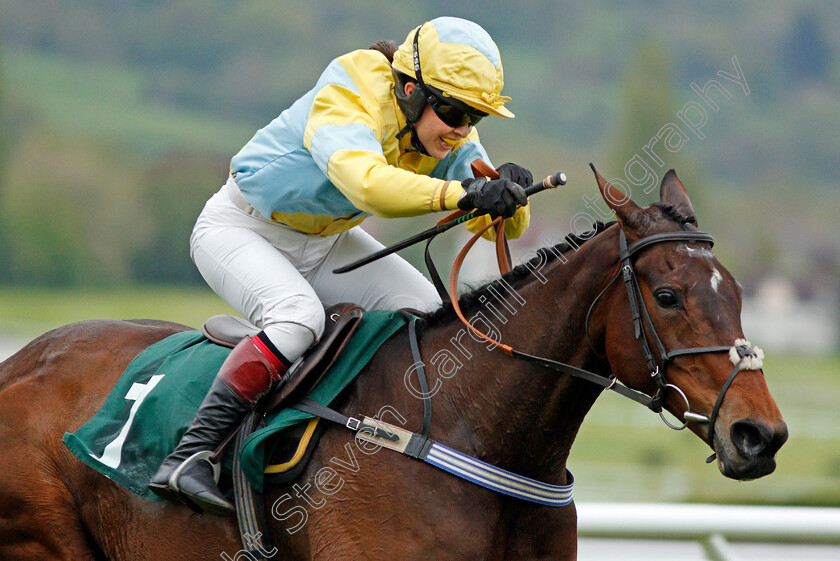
pixel 374 186
pixel 515 226
pixel 345 140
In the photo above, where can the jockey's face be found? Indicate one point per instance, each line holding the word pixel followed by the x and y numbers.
pixel 435 135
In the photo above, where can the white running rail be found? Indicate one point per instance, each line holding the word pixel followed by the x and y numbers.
pixel 711 525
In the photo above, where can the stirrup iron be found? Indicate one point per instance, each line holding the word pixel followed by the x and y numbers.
pixel 206 455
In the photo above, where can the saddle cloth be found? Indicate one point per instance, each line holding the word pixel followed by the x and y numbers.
pixel 155 399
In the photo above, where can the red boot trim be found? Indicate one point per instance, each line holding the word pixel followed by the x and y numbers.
pixel 248 371
pixel 274 356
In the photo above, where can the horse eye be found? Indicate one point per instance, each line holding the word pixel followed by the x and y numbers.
pixel 667 298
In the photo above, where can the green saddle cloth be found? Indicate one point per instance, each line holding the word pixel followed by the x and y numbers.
pixel 155 399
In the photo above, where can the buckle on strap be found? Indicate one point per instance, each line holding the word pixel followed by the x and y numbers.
pixel 353 423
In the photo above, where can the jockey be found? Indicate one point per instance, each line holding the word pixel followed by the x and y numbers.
pixel 389 136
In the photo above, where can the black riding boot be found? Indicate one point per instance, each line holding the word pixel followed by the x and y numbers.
pixel 187 475
pixel 220 411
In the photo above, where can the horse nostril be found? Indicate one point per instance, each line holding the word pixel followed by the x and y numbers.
pixel 752 439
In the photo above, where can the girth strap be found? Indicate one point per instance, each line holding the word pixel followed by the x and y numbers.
pixel 369 426
pixel 353 423
pixel 250 508
pixel 419 446
pixel 460 464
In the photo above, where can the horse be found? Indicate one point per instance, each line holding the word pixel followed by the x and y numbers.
pixel 571 303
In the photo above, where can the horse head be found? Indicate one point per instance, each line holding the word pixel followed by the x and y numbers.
pixel 685 345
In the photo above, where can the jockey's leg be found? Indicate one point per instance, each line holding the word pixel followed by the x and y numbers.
pixel 248 262
pixel 245 376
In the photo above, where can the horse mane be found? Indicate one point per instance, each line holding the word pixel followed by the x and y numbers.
pixel 518 274
pixel 544 256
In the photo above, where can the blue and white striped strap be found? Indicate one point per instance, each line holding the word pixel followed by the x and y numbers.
pixel 457 463
pixel 497 479
pixel 464 466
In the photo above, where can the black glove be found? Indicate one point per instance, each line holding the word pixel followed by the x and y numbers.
pixel 497 197
pixel 516 173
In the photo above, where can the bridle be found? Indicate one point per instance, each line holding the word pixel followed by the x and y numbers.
pixel 741 354
pixel 641 317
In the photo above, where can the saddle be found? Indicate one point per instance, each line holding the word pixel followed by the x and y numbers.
pixel 294 445
pixel 306 372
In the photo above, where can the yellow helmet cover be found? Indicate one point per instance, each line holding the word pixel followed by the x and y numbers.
pixel 459 58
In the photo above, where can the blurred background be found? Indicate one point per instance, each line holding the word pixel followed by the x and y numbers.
pixel 118 120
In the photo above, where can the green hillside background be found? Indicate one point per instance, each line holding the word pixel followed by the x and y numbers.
pixel 119 119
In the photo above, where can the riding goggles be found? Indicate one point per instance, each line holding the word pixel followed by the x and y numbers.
pixel 453 112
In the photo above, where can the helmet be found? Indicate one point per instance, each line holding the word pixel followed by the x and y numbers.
pixel 455 58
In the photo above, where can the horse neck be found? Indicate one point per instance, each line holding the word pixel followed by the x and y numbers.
pixel 506 410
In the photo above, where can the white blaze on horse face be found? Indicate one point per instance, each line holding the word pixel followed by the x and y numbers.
pixel 717 278
pixel 694 252
pixel 703 252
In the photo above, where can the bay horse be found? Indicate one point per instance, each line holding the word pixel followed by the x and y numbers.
pixel 569 303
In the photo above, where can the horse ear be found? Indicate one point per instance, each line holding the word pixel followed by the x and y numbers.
pixel 673 192
pixel 625 209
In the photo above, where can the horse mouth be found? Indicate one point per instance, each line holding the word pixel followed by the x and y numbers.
pixel 741 470
pixel 750 451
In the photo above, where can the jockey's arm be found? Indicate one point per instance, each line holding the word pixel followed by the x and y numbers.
pixel 344 140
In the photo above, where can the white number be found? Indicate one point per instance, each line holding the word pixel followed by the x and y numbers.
pixel 111 456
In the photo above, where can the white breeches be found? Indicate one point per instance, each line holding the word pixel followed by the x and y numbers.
pixel 278 277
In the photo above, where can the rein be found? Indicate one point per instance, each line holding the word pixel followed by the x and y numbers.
pixel 742 354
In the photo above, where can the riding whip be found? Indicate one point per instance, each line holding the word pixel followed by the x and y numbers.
pixel 550 182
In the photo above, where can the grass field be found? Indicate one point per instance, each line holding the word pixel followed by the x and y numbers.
pixel 30 312
pixel 623 451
